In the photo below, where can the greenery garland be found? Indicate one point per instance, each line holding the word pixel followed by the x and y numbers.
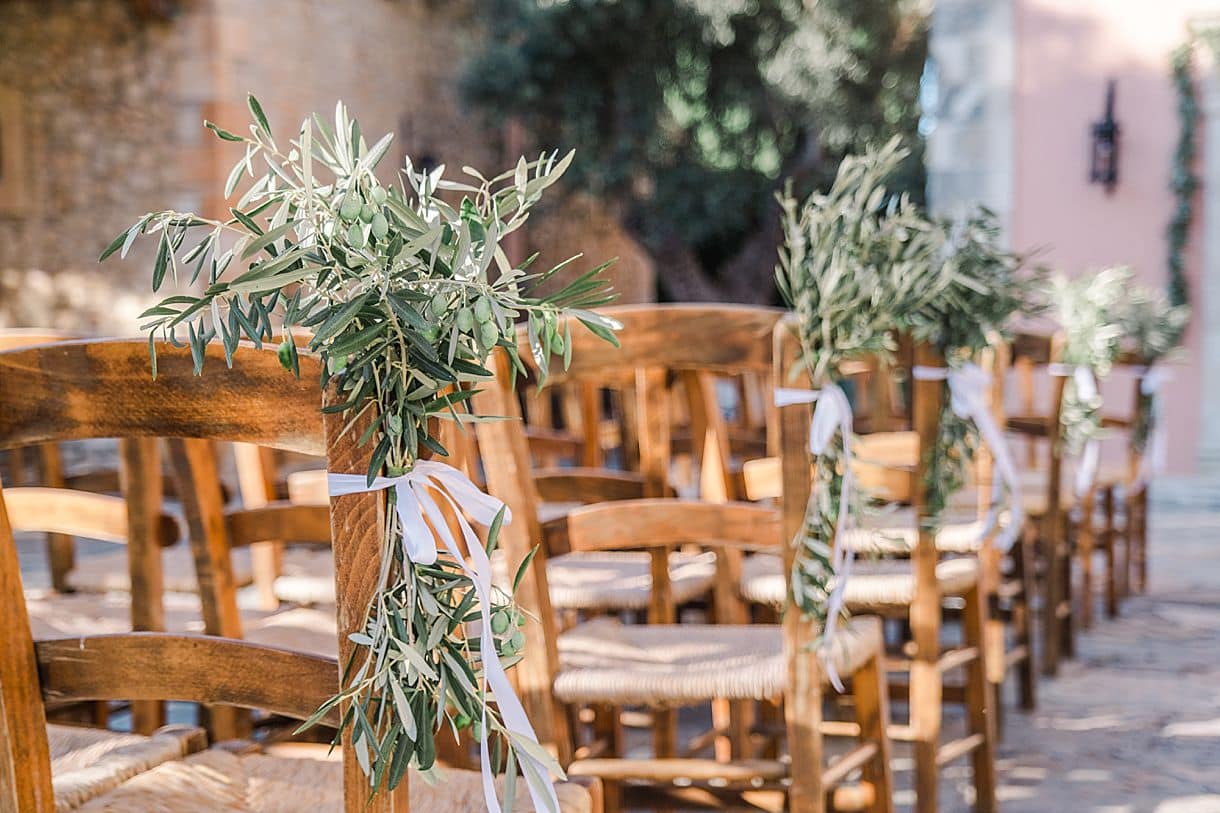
pixel 853 259
pixel 397 286
pixel 1183 180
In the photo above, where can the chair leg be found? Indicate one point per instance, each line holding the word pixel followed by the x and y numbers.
pixel 1085 547
pixel 980 706
pixel 608 728
pixel 1067 613
pixel 1052 597
pixel 1022 620
pixel 1109 545
pixel 871 692
pixel 1141 535
pixel 926 699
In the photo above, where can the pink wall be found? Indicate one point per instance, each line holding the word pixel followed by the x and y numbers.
pixel 1066 51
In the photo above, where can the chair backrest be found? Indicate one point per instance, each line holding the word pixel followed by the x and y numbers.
pixel 691 343
pixel 83 390
pixel 1030 351
pixel 793 426
pixel 654 524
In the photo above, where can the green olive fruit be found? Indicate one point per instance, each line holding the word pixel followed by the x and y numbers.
pixel 465 320
pixel 462 721
pixel 366 212
pixel 517 641
pixel 285 354
pixel 381 227
pixel 355 235
pixel 350 209
pixel 500 622
pixel 482 309
pixel 489 333
pixel 557 344
pixel 440 303
pixel 379 196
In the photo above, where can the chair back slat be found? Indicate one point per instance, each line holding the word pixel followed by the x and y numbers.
pixel 34 509
pixel 105 389
pixel 190 668
pixel 279 521
pixel 649 523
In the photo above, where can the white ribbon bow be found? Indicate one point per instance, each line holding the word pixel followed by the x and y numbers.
pixel 1156 449
pixel 1086 390
pixel 968 400
pixel 831 414
pixel 415 499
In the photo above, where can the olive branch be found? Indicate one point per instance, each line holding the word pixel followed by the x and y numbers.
pixel 403 290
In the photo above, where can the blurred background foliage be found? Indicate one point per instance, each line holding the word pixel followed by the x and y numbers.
pixel 688 115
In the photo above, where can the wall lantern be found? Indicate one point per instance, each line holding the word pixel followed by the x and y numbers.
pixel 1103 167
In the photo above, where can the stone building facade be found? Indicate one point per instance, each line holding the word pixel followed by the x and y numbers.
pixel 101 111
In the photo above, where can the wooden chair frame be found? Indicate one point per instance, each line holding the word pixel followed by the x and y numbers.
pixel 81 390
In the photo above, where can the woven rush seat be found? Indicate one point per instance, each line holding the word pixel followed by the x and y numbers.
pixel 89 762
pixel 108 572
pixel 886 585
pixel 301 629
pixel 606 661
pixel 953 537
pixel 618 580
pixel 307 576
pixel 218 780
pixel 67 615
pixel 1034 487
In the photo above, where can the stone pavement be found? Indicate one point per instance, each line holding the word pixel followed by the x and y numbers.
pixel 1133 724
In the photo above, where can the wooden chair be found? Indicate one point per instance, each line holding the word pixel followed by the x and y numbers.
pixel 104 389
pixel 1062 521
pixel 659 344
pixel 914 590
pixel 605 664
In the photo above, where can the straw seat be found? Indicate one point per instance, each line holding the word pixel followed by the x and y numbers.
pixel 219 780
pixel 953 537
pixel 307 576
pixel 605 661
pixel 300 629
pixel 617 580
pixel 109 572
pixel 89 762
pixel 56 615
pixel 887 585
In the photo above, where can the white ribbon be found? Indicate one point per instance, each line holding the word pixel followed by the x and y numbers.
pixel 415 499
pixel 1156 447
pixel 831 414
pixel 968 399
pixel 1086 390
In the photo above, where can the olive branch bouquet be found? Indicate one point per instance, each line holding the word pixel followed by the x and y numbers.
pixel 852 261
pixel 1089 310
pixel 405 294
pixel 986 286
pixel 1152 329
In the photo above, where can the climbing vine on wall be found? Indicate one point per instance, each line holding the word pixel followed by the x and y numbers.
pixel 1183 180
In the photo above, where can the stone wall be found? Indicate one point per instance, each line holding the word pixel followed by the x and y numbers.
pixel 96 92
pixel 111 103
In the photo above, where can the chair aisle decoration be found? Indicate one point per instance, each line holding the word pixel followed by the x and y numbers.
pixel 394 283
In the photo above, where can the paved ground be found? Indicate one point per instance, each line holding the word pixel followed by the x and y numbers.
pixel 1132 725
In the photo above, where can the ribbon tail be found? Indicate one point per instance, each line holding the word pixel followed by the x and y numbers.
pixel 511 711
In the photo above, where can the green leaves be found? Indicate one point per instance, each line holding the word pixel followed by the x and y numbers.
pixel 382 275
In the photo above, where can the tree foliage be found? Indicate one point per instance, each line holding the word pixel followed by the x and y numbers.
pixel 688 114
